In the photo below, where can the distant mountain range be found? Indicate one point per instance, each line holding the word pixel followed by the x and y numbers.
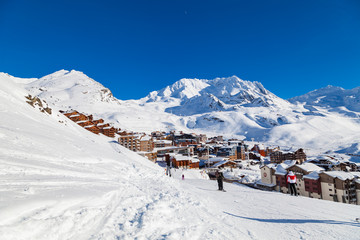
pixel 324 119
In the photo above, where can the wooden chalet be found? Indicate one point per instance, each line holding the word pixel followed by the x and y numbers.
pixel 85 123
pixel 180 161
pixel 78 117
pixel 108 131
pixel 224 164
pixel 98 121
pixel 280 156
pixel 93 129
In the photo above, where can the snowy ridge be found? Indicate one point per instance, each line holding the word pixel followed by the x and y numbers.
pixel 333 98
pixel 325 119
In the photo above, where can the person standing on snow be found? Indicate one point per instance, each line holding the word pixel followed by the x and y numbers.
pixel 168 167
pixel 219 177
pixel 291 180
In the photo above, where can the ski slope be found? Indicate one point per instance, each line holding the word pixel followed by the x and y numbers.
pixel 59 181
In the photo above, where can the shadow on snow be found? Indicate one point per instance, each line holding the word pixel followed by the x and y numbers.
pixel 296 221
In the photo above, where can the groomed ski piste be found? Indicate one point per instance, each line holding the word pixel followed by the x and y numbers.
pixel 59 181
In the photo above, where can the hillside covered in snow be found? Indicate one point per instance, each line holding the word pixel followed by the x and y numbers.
pixel 59 181
pixel 325 119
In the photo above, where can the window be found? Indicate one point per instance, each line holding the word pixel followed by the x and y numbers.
pixel 330 190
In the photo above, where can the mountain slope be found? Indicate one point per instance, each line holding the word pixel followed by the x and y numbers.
pixel 230 107
pixel 333 98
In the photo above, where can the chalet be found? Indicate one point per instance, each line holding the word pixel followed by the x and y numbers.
pixel 98 121
pixel 224 164
pixel 78 117
pixel 93 129
pixel 338 186
pixel 181 161
pixel 280 156
pixel 85 123
pixel 108 131
pixel 103 125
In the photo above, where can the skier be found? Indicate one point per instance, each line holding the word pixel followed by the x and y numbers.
pixel 219 176
pixel 168 167
pixel 291 180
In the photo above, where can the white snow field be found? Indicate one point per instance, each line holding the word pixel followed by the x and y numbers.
pixel 60 181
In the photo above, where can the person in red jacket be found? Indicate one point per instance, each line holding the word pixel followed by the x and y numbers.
pixel 291 180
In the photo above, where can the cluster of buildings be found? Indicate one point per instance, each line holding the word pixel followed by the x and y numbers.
pixel 184 150
pixel 323 178
pixel 326 179
pixel 89 123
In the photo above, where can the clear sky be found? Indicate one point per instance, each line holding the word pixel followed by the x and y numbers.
pixel 134 47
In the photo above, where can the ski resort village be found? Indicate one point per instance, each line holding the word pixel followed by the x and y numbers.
pixel 186 162
pixel 324 177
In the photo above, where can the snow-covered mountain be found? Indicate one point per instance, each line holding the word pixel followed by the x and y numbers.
pixel 325 119
pixel 198 96
pixel 60 181
pixel 333 98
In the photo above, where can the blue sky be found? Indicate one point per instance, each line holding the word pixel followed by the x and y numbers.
pixel 135 47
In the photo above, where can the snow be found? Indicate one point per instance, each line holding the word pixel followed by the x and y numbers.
pixel 313 175
pixel 341 175
pixel 310 167
pixel 60 181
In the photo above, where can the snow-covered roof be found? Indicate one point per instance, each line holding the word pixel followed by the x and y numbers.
pixel 222 163
pixel 259 182
pixel 340 174
pixel 310 167
pixel 179 157
pixel 145 138
pixel 313 175
pixel 356 174
pixel 163 141
pixel 82 121
pixel 280 170
pixel 289 163
pixel 216 159
pixel 270 165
